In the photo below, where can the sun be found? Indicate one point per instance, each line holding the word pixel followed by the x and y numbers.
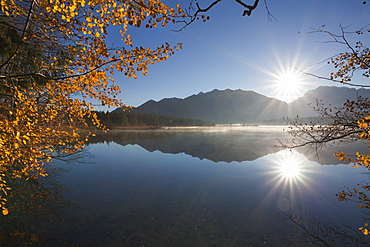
pixel 288 82
pixel 288 85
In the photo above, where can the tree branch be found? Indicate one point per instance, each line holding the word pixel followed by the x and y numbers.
pixel 23 35
pixel 329 79
pixel 324 140
pixel 352 49
pixel 193 17
pixel 249 8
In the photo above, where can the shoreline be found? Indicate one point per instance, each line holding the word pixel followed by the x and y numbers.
pixel 217 128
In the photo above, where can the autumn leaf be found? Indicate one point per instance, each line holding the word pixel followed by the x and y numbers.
pixel 5 211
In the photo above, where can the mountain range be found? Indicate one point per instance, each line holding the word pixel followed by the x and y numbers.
pixel 239 106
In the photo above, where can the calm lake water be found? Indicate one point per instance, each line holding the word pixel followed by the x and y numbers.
pixel 226 186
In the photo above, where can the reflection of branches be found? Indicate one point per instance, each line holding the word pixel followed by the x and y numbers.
pixel 308 232
pixel 75 157
pixel 357 195
pixel 33 206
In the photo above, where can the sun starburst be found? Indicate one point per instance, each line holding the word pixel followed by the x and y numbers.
pixel 288 85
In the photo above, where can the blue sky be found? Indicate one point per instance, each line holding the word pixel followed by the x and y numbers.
pixel 236 52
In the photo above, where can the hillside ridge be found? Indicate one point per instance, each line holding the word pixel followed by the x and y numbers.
pixel 240 106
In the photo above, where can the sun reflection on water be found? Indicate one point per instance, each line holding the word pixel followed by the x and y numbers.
pixel 290 178
pixel 289 167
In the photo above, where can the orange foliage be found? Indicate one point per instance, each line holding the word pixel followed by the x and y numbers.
pixel 60 61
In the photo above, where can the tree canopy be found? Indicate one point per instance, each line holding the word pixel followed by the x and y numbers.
pixel 54 59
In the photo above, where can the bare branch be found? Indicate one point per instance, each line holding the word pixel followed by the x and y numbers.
pixel 330 79
pixel 349 62
pixel 342 125
pixel 353 50
pixel 270 17
pixel 192 17
pixel 249 8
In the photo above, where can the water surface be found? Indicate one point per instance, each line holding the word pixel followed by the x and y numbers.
pixel 208 187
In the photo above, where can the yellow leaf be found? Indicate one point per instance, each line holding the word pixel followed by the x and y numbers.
pixel 5 211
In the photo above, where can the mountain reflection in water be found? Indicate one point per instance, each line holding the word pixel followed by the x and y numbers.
pixel 216 144
pixel 226 144
pixel 229 195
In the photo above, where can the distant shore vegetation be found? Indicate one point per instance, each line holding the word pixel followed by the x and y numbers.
pixel 116 120
pixel 132 120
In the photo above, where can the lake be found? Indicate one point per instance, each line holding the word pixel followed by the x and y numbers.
pixel 222 186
